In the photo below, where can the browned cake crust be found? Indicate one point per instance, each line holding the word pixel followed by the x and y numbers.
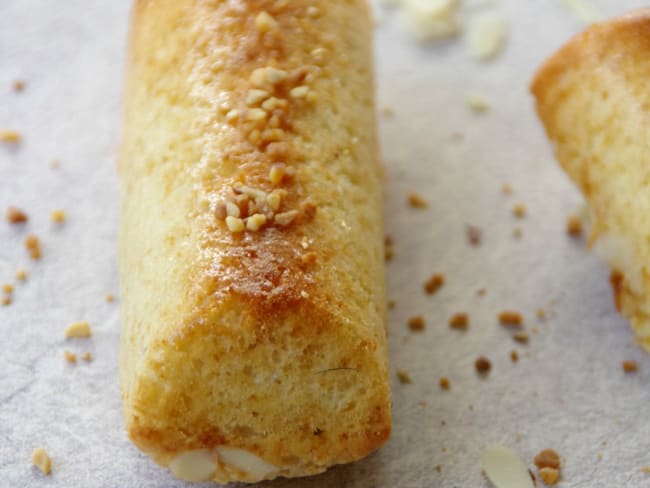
pixel 260 350
pixel 593 98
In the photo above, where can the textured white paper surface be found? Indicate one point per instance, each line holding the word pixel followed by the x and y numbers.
pixel 567 391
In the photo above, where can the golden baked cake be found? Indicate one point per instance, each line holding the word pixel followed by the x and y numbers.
pixel 251 250
pixel 593 98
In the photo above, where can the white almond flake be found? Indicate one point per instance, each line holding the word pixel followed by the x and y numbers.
pixel 487 36
pixel 584 11
pixel 431 19
pixel 504 468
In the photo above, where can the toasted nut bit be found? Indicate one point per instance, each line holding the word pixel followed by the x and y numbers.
pixel 274 199
pixel 519 210
pixel 87 356
pixel 434 283
pixel 255 96
pixel 273 103
pixel 250 192
pixel 110 298
pixel 79 329
pixel 509 318
pixel 18 85
pixel 255 114
pixel 255 222
pixel 265 23
pixel 460 321
pixel 521 337
pixel 483 365
pixel 275 76
pixel 10 136
pixel 220 211
pixel 232 210
pixel 645 469
pixel 41 460
pixel 21 274
pixel 278 151
pixel 235 224
pixel 33 246
pixel 630 366
pixel 232 114
pixel 299 92
pixel 258 77
pixel 8 288
pixel 272 135
pixel 285 218
pixel 5 301
pixel 57 216
pixel 403 377
pixel 474 234
pixel 16 216
pixel 547 458
pixel 549 475
pixel 574 226
pixel 444 383
pixel 416 323
pixel 70 357
pixel 276 173
pixel 514 356
pixel 416 201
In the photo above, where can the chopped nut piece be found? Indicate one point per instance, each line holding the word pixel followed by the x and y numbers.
pixel 416 201
pixel 278 151
pixel 33 246
pixel 574 226
pixel 10 136
pixel 70 357
pixel 483 365
pixel 474 234
pixel 41 460
pixel 8 288
pixel 274 75
pixel 255 96
pixel 403 377
pixel 87 356
pixel 416 323
pixel 444 383
pixel 509 318
pixel 235 224
pixel 232 210
pixel 514 356
pixel 110 298
pixel 477 103
pixel 630 366
pixel 276 173
pixel 519 210
pixel 274 199
pixel 264 22
pixel 21 274
pixel 273 103
pixel 18 85
pixel 220 211
pixel 299 92
pixel 285 218
pixel 487 36
pixel 547 458
pixel 79 329
pixel 5 301
pixel 232 114
pixel 645 469
pixel 16 216
pixel 434 283
pixel 255 222
pixel 549 476
pixel 57 216
pixel 521 337
pixel 255 114
pixel 460 321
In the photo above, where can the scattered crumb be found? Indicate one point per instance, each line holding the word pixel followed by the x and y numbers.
pixel 521 337
pixel 541 314
pixel 549 476
pixel 443 423
pixel 434 283
pixel 474 234
pixel 487 36
pixel 574 226
pixel 459 321
pixel 387 112
pixel 57 216
pixel 599 456
pixel 547 458
pixel 18 85
pixel 517 232
pixel 78 329
pixel 514 356
pixel 5 301
pixel 403 377
pixel 470 408
pixel 389 251
pixel 10 136
pixel 110 298
pixel 482 292
pixel 8 288
pixel 438 468
pixel 264 22
pixel 33 246
pixel 477 103
pixel 444 383
pixel 391 304
pixel 427 21
pixel 87 356
pixel 42 460
pixel 630 366
pixel 519 210
pixel 21 274
pixel 509 318
pixel 645 469
pixel 483 365
pixel 55 163
pixel 416 201
pixel 70 357
pixel 16 216
pixel 506 189
pixel 416 323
